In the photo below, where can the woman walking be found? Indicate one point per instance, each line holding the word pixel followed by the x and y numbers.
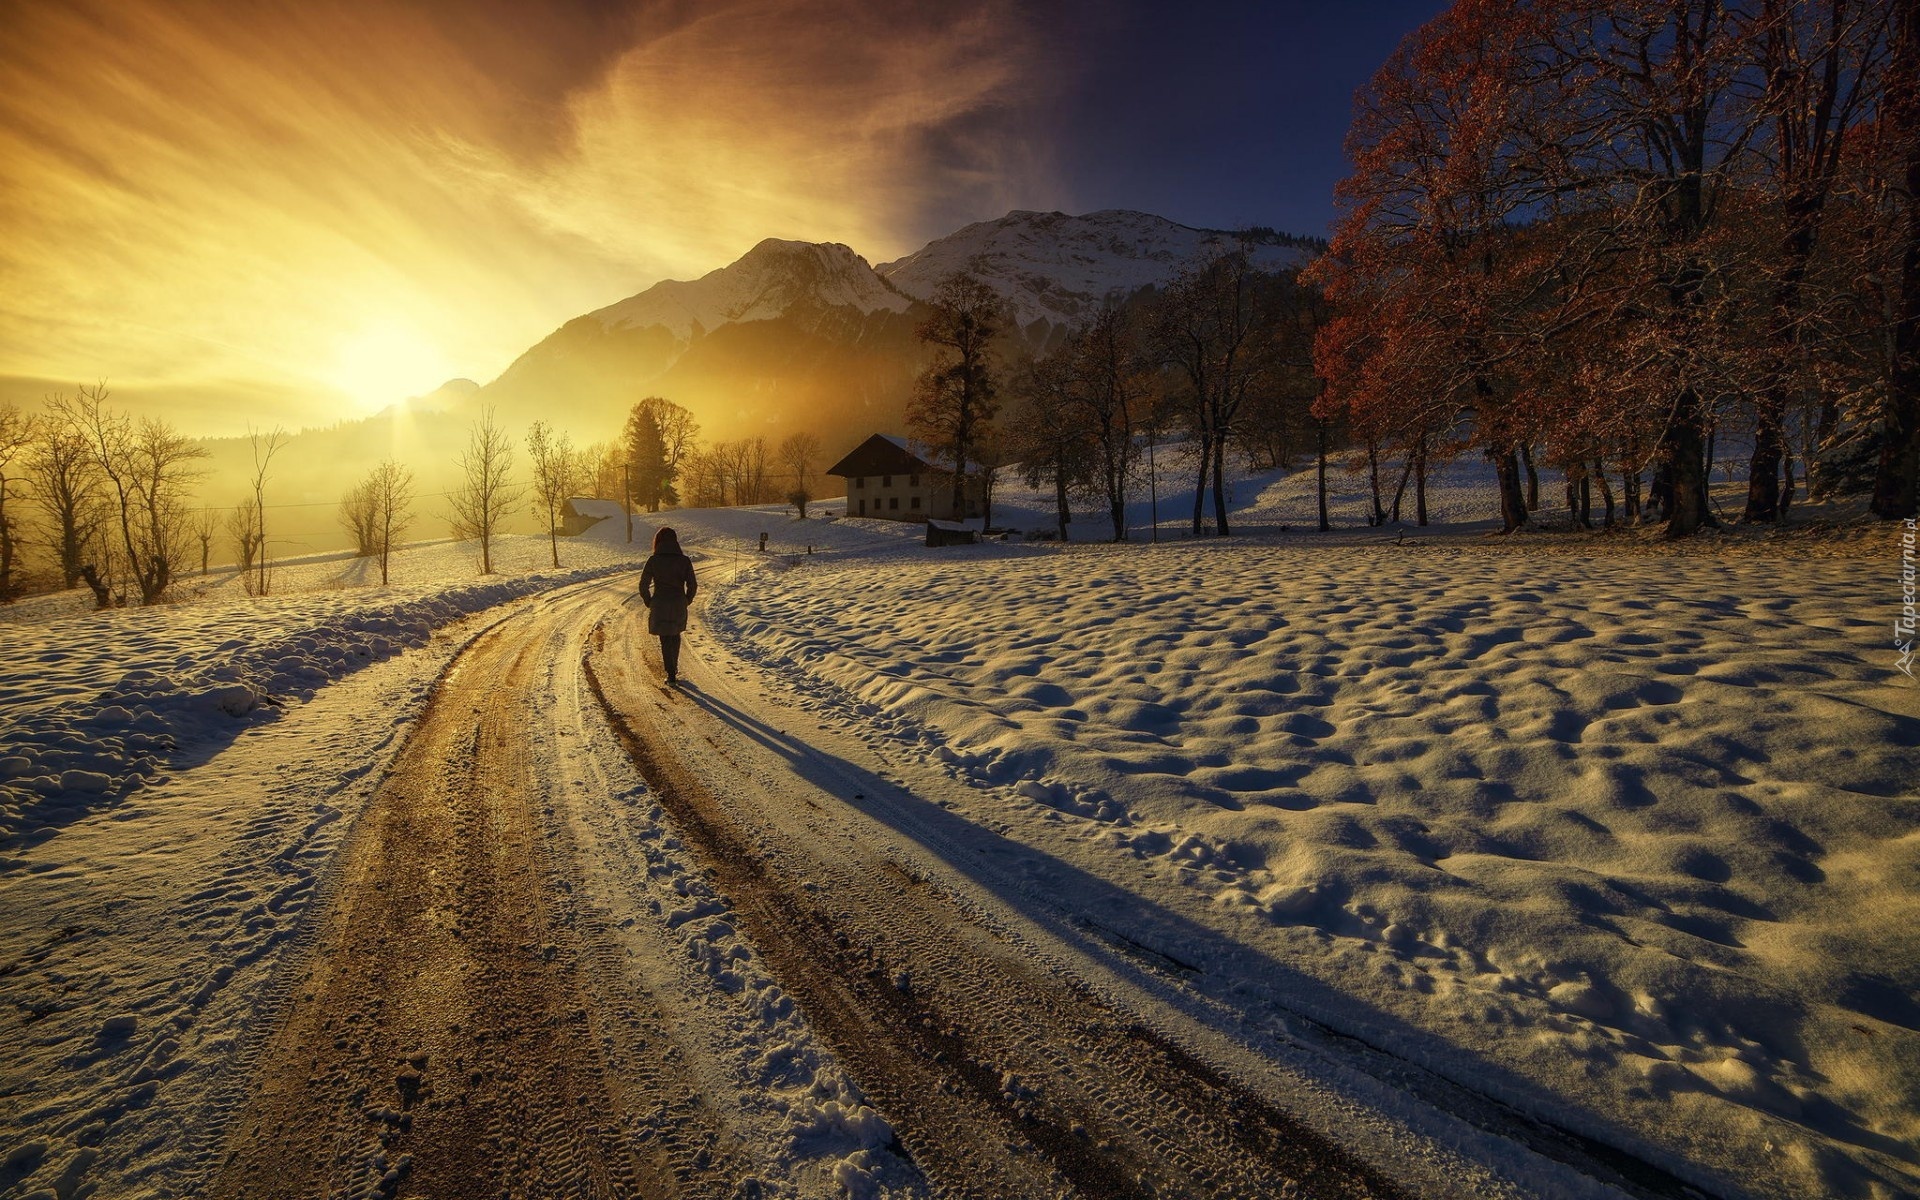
pixel 667 586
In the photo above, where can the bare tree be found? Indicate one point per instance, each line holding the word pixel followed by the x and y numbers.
pixel 1041 432
pixel 204 527
pixel 16 435
pixel 954 398
pixel 705 478
pixel 603 463
pixel 392 487
pixel 759 484
pixel 797 453
pixel 557 475
pixel 65 482
pixel 484 496
pixel 1215 328
pixel 265 446
pixel 148 468
pixel 1110 385
pixel 360 517
pixel 243 528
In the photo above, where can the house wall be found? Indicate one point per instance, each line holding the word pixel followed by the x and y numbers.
pixel 892 497
pixel 908 497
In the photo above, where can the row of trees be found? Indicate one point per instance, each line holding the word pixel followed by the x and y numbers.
pixel 1591 234
pixel 1221 358
pixel 109 501
pixel 107 498
pixel 1616 228
pixel 659 461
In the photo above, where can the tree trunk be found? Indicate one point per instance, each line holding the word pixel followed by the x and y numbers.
pixel 1321 468
pixel 1763 469
pixel 1200 484
pixel 1220 486
pixel 1820 480
pixel 1060 494
pixel 1895 492
pixel 1533 477
pixel 1513 502
pixel 1400 489
pixel 102 597
pixel 1420 486
pixel 1683 449
pixel 1379 516
pixel 1606 491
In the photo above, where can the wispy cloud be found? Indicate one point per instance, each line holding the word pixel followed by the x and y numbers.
pixel 216 192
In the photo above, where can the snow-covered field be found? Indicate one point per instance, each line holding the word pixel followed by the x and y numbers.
pixel 99 703
pixel 1628 840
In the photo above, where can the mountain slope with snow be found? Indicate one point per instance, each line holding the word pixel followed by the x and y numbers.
pixel 1057 269
pixel 798 336
pixel 767 282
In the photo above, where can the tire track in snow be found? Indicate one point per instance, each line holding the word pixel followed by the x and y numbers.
pixel 1001 1077
pixel 447 1041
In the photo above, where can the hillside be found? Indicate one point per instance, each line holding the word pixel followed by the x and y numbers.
pixel 797 335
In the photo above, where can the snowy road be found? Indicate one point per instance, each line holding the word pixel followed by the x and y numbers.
pixel 535 973
pixel 1001 1072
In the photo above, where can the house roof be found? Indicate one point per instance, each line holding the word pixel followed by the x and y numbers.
pixel 587 506
pixel 885 454
pixel 880 455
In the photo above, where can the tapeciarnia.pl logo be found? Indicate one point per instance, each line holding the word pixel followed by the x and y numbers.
pixel 1904 623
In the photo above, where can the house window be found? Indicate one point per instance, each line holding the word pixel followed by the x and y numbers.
pixel 916 503
pixel 893 502
pixel 859 481
pixel 886 481
pixel 913 481
pixel 863 508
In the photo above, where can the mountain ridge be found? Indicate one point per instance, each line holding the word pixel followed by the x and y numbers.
pixel 811 336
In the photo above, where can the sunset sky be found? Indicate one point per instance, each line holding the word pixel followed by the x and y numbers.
pixel 293 212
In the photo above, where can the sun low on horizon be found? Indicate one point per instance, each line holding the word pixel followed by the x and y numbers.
pixel 385 356
pixel 238 214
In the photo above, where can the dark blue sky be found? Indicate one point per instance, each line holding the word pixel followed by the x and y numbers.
pixel 1223 114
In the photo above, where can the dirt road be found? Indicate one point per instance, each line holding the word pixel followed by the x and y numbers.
pixel 596 938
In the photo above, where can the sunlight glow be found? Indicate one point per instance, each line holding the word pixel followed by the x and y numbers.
pixel 314 194
pixel 386 361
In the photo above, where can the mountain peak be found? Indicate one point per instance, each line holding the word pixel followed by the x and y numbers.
pixel 764 283
pixel 1053 269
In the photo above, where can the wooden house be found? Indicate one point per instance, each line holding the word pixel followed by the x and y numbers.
pixel 893 479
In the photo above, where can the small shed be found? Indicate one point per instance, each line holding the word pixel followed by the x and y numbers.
pixel 581 513
pixel 949 533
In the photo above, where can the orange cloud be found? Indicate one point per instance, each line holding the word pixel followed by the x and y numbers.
pixel 255 199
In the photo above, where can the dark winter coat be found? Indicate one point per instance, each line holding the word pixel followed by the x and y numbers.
pixel 667 585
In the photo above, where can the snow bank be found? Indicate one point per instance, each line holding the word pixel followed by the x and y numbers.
pixel 100 703
pixel 1631 841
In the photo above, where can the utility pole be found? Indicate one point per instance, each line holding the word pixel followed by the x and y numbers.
pixel 626 497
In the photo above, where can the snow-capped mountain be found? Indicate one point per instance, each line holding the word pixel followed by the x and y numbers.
pixel 765 283
pixel 1057 269
pixel 801 335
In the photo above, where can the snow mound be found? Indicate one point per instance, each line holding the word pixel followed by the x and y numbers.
pixel 1629 841
pixel 200 682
